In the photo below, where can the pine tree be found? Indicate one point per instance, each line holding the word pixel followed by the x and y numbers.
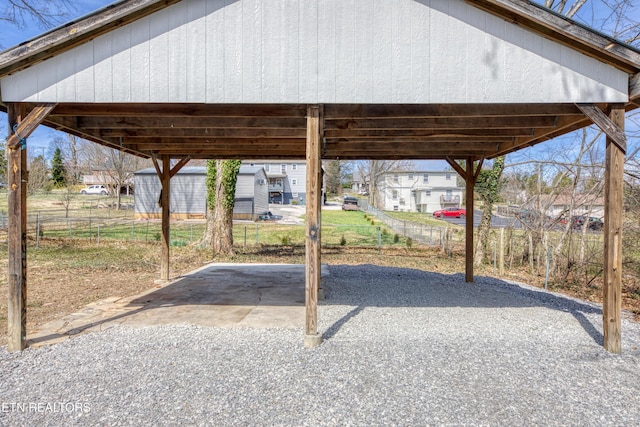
pixel 58 171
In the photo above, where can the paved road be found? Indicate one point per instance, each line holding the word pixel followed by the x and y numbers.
pixel 496 221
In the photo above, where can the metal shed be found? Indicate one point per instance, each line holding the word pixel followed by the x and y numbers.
pixel 351 79
pixel 189 193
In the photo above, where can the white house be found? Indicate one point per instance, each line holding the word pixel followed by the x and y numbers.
pixel 418 191
pixel 287 180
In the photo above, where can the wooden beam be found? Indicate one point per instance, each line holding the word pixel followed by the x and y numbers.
pixel 165 180
pixel 468 243
pixel 182 110
pixel 478 169
pixel 313 241
pixel 613 188
pixel 404 133
pixel 634 87
pixel 605 124
pixel 17 236
pixel 209 133
pixel 444 123
pixel 125 122
pixel 28 124
pixel 176 168
pixel 350 111
pixel 456 167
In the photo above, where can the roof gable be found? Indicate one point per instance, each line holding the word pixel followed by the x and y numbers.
pixel 351 51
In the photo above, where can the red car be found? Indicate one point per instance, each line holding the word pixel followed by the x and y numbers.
pixel 457 212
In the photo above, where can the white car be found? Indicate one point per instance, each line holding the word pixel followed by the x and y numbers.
pixel 95 189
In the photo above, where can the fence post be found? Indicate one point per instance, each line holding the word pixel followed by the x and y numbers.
pixel 90 230
pixel 245 236
pixel 146 232
pixel 531 253
pixel 98 238
pixel 190 232
pixel 495 256
pixel 379 241
pixel 501 254
pixel 37 228
pixel 546 273
pixel 133 228
pixel 256 234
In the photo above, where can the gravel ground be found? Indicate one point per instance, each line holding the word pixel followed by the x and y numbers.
pixel 402 347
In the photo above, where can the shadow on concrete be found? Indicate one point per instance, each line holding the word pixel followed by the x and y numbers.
pixel 263 296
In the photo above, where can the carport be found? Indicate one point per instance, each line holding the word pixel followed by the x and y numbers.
pixel 410 79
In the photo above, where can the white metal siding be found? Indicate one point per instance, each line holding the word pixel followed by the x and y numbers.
pixel 325 51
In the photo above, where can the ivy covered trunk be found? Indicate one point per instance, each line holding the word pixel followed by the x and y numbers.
pixel 488 188
pixel 222 176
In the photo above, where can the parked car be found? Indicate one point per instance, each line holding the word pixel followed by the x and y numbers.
pixel 593 223
pixel 95 189
pixel 456 212
pixel 349 203
pixel 268 216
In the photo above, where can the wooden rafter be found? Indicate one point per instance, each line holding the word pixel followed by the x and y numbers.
pixel 605 124
pixel 27 125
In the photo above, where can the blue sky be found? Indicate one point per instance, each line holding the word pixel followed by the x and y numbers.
pixel 593 13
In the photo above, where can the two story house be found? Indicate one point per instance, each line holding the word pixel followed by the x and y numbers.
pixel 287 180
pixel 418 191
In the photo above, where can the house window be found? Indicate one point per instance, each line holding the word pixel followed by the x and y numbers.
pixel 396 178
pixel 402 201
pixel 294 195
pixel 425 178
pixel 395 207
pixel 294 167
pixel 449 193
pixel 427 193
pixel 294 182
pixel 394 195
pixel 267 167
pixel 410 177
pixel 283 168
pixel 447 176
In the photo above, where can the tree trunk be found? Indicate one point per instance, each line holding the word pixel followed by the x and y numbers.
pixel 483 233
pixel 221 180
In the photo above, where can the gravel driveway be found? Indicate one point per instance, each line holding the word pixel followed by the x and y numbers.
pixel 402 347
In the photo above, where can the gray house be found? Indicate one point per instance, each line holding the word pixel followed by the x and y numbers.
pixel 189 193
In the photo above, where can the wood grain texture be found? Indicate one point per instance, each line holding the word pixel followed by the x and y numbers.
pixel 613 194
pixel 313 205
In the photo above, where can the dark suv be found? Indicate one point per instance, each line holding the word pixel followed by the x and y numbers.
pixel 593 223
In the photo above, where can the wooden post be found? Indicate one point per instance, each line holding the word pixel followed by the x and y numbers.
pixel 469 178
pixel 17 240
pixel 612 292
pixel 501 253
pixel 165 179
pixel 312 270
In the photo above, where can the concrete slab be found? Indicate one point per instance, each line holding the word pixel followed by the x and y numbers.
pixel 223 295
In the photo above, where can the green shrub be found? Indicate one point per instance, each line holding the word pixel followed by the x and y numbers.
pixel 409 242
pixel 343 241
pixel 385 232
pixel 286 240
pixel 294 202
pixel 396 238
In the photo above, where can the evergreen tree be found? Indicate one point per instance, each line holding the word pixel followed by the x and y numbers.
pixel 58 171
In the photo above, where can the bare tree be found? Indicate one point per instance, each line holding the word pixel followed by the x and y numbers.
pixel 45 13
pixel 114 167
pixel 372 171
pixel 38 176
